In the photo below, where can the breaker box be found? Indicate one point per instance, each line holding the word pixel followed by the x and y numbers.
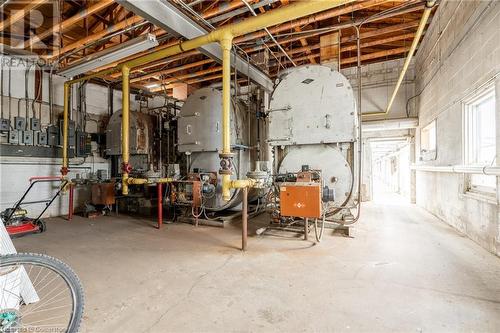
pixel 20 123
pixel 301 199
pixel 28 137
pixel 71 133
pixel 83 145
pixel 53 135
pixel 14 137
pixel 41 138
pixel 4 124
pixel 34 124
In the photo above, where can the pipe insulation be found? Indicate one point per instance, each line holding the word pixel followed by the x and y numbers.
pixel 469 169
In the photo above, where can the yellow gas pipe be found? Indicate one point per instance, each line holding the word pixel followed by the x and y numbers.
pixel 226 44
pixel 420 30
pixel 126 168
pixel 65 169
pixel 224 36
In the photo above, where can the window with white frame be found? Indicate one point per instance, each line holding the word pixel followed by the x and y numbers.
pixel 428 142
pixel 480 139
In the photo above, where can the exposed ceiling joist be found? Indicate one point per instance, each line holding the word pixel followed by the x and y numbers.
pixel 171 19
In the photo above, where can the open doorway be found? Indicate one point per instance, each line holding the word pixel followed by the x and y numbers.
pixel 391 170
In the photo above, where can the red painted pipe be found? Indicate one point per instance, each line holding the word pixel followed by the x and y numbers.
pixel 160 205
pixel 70 208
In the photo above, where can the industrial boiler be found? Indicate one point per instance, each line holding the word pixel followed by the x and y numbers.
pixel 313 131
pixel 199 137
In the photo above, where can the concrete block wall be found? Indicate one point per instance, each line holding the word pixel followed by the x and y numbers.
pixel 459 54
pixel 378 81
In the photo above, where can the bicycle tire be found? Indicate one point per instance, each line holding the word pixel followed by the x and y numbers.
pixel 60 268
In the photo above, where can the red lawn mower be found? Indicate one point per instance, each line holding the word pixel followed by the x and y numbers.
pixel 16 220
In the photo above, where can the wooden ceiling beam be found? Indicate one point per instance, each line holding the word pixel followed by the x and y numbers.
pixel 20 14
pixel 67 23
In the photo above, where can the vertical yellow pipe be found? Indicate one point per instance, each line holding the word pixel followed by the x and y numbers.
pixel 226 45
pixel 64 169
pixel 125 127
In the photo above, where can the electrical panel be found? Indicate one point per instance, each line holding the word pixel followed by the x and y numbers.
pixel 20 123
pixel 53 135
pixel 14 137
pixel 34 124
pixel 41 138
pixel 71 133
pixel 28 137
pixel 301 199
pixel 83 144
pixel 4 124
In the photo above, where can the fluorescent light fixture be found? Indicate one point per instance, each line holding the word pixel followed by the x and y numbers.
pixel 390 124
pixel 110 55
pixel 152 85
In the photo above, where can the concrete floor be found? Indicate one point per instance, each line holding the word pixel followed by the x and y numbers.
pixel 403 271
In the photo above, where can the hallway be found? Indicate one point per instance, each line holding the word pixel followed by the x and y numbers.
pixel 404 271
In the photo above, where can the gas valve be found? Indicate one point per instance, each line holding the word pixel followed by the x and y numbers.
pixel 226 164
pixel 126 168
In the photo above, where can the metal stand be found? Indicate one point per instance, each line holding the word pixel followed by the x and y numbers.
pixel 244 219
pixel 33 181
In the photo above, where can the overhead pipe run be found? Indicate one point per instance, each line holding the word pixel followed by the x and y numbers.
pixel 224 36
pixel 470 169
pixel 420 30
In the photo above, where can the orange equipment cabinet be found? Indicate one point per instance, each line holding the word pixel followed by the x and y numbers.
pixel 300 199
pixel 103 194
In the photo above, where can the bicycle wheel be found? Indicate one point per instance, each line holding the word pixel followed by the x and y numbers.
pixel 38 293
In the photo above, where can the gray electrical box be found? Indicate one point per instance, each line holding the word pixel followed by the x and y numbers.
pixel 71 133
pixel 53 135
pixel 14 137
pixel 28 137
pixel 20 123
pixel 4 124
pixel 102 174
pixel 83 144
pixel 34 124
pixel 41 138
